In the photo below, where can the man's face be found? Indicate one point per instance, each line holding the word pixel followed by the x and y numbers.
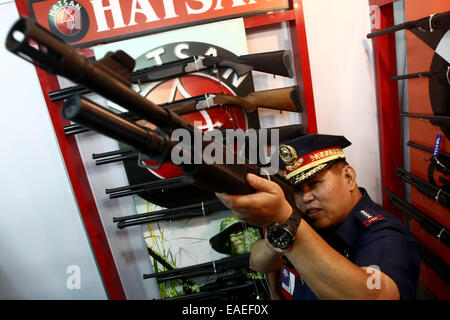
pixel 325 199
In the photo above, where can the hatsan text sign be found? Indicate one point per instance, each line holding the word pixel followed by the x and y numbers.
pixel 87 22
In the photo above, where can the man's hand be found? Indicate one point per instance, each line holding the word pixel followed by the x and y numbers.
pixel 261 208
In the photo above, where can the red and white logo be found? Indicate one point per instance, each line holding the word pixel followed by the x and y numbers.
pixel 68 20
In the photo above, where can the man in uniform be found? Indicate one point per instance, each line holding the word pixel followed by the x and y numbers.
pixel 335 242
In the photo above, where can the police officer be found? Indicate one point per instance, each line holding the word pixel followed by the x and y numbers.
pixel 336 243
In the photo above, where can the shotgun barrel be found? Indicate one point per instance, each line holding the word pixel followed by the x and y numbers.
pixel 439 21
pixel 436 229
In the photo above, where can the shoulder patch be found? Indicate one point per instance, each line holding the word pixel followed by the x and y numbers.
pixel 367 219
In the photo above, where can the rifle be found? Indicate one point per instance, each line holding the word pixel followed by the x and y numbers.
pixel 275 62
pixel 439 162
pixel 432 226
pixel 111 78
pixel 442 155
pixel 193 210
pixel 427 74
pixel 439 266
pixel 203 269
pixel 434 120
pixel 153 186
pixel 438 21
pixel 285 99
pixel 285 133
pixel 430 191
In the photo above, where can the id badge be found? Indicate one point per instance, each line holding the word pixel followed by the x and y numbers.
pixel 288 279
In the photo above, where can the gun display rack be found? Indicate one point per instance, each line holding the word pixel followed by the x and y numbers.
pixel 74 163
pixel 427 211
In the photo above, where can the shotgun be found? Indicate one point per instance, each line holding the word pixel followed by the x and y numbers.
pixel 438 21
pixel 439 266
pixel 430 191
pixel 434 120
pixel 285 133
pixel 284 99
pixel 442 155
pixel 433 227
pixel 442 121
pixel 111 78
pixel 427 74
pixel 153 186
pixel 203 269
pixel 194 210
pixel 275 62
pixel 439 161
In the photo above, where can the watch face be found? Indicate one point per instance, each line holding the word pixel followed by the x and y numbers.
pixel 279 237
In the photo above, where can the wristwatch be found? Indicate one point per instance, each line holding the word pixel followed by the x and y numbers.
pixel 282 235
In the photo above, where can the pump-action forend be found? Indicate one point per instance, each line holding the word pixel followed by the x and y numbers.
pixel 274 62
pixel 284 99
pixel 111 78
pixel 438 21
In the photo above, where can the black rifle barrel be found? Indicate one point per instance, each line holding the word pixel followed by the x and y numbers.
pixel 436 120
pixel 209 205
pixel 158 186
pixel 427 74
pixel 439 21
pixel 203 268
pixel 111 153
pixel 76 128
pixel 435 263
pixel 131 116
pixel 126 156
pixel 92 115
pixel 426 188
pixel 432 226
pixel 442 154
pixel 188 211
pixel 67 92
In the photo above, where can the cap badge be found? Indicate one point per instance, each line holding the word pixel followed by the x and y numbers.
pixel 287 153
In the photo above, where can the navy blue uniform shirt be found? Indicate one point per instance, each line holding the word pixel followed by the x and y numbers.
pixel 370 236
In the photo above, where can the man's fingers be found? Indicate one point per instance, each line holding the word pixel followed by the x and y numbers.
pixel 225 198
pixel 261 184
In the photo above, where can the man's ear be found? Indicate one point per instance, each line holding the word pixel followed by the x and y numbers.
pixel 350 177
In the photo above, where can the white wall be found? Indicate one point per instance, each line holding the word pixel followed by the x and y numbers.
pixel 41 231
pixel 343 80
